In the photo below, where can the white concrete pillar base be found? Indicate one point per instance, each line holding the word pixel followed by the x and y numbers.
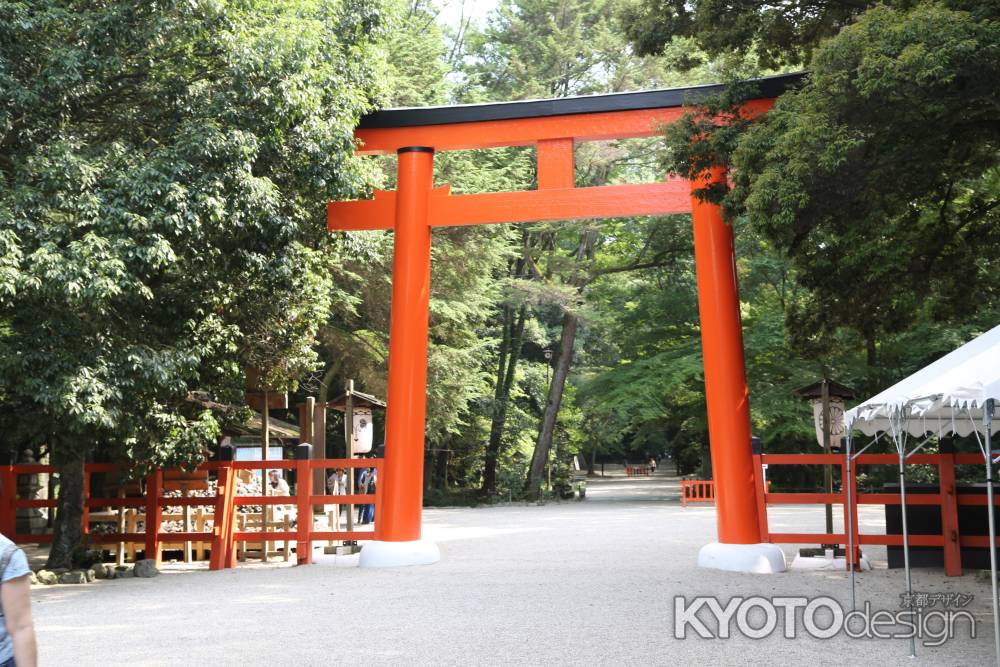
pixel 762 558
pixel 399 554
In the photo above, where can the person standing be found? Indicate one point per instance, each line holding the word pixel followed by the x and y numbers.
pixel 17 632
pixel 361 489
pixel 369 509
pixel 279 487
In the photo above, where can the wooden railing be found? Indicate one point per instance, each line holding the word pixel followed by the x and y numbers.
pixel 950 540
pixel 697 491
pixel 224 534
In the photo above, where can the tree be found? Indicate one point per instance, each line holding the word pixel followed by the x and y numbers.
pixel 778 33
pixel 162 173
pixel 534 48
pixel 879 177
pixel 865 201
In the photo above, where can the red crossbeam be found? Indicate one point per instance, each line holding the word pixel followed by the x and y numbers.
pixel 447 210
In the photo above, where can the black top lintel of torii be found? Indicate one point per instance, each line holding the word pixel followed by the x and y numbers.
pixel 767 87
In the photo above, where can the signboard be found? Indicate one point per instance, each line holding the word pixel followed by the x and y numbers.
pixel 836 421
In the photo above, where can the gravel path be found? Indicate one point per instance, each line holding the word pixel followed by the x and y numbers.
pixel 567 583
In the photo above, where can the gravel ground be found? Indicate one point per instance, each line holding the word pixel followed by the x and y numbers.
pixel 565 583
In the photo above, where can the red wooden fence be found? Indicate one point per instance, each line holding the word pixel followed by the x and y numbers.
pixel 224 534
pixel 697 491
pixel 951 541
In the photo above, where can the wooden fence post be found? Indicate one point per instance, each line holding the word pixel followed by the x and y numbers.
pixel 759 488
pixel 86 500
pixel 222 520
pixel 230 525
pixel 949 515
pixel 378 498
pixel 8 500
pixel 304 514
pixel 853 512
pixel 154 482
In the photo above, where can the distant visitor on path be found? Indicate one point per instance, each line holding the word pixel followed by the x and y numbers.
pixel 17 632
pixel 652 465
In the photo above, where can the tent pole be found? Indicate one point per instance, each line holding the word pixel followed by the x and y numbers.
pixel 849 510
pixel 906 539
pixel 988 422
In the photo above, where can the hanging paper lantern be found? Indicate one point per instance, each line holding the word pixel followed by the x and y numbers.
pixel 363 431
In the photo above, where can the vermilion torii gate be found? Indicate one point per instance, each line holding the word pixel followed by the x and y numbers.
pixel 554 127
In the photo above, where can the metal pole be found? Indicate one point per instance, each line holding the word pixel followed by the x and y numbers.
pixel 988 422
pixel 906 536
pixel 850 522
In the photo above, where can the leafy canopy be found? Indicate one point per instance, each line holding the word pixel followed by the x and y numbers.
pixel 162 172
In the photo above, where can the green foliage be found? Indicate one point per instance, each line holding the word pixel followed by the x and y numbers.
pixel 778 33
pixel 882 171
pixel 163 170
pixel 160 169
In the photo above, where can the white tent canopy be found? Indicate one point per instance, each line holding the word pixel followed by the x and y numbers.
pixel 955 394
pixel 946 397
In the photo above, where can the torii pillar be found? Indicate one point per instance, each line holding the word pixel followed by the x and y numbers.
pixel 400 540
pixel 553 127
pixel 740 547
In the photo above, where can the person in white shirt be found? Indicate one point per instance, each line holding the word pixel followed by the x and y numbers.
pixel 17 630
pixel 279 487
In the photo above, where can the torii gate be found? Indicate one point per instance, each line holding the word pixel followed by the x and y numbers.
pixel 553 126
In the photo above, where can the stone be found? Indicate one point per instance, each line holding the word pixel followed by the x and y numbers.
pixel 90 574
pixel 47 577
pixel 146 568
pixel 73 577
pixel 33 578
pixel 123 572
pixel 100 571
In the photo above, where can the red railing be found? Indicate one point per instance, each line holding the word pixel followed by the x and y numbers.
pixel 700 490
pixel 950 540
pixel 697 491
pixel 224 536
pixel 638 470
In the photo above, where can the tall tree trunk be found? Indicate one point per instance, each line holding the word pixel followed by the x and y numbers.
pixel 328 376
pixel 706 460
pixel 548 427
pixel 441 470
pixel 510 354
pixel 68 530
pixel 872 371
